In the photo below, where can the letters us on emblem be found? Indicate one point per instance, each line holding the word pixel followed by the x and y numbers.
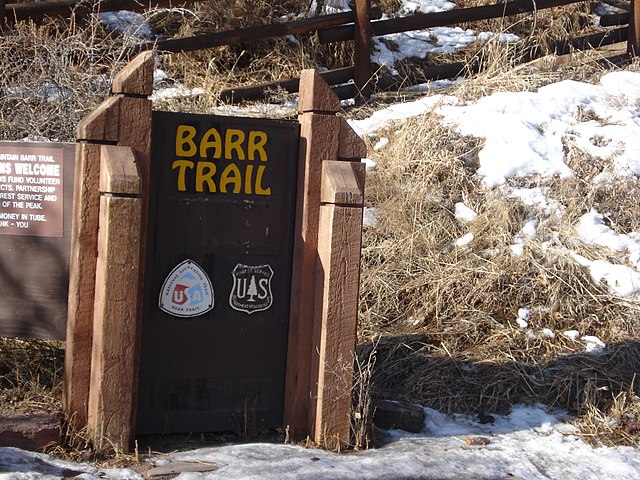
pixel 187 291
pixel 251 291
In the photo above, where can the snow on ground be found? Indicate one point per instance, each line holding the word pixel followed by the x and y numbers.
pixel 131 24
pixel 524 133
pixel 527 444
pixel 528 128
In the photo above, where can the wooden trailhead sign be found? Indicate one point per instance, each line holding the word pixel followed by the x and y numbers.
pixel 217 282
pixel 36 196
pixel 214 269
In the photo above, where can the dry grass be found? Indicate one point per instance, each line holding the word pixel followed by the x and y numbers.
pixel 30 375
pixel 258 61
pixel 445 315
pixel 439 319
pixel 54 73
pixel 618 424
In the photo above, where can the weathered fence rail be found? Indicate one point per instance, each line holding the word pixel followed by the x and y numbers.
pixel 248 34
pixel 442 19
pixel 51 8
pixel 359 25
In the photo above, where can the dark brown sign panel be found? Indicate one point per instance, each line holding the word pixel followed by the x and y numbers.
pixel 36 192
pixel 218 273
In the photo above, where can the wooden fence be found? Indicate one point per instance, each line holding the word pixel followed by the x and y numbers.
pixel 359 25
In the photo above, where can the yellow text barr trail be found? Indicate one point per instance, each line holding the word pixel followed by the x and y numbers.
pixel 196 168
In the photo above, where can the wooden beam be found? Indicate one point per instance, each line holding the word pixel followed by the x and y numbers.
pixel 343 183
pixel 362 48
pixel 441 19
pixel 114 379
pixel 318 140
pixel 338 270
pixel 118 171
pixel 82 264
pixel 101 124
pixel 325 273
pixel 387 82
pixel 136 77
pixel 351 145
pixel 126 121
pixel 291 85
pixel 594 40
pixel 52 8
pixel 614 19
pixel 633 39
pixel 251 34
pixel 316 96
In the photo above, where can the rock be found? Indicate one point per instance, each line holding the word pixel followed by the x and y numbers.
pixel 176 468
pixel 29 431
pixel 392 414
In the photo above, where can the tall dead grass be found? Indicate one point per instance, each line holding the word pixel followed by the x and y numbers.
pixel 258 61
pixel 439 317
pixel 445 312
pixel 53 74
pixel 30 375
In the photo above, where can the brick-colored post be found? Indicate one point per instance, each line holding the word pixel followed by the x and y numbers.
pixel 339 243
pixel 318 318
pixel 114 372
pixel 125 120
pixel 318 140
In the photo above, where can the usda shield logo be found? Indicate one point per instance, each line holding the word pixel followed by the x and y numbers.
pixel 251 290
pixel 187 291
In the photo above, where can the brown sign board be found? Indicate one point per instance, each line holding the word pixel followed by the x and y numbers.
pixel 218 273
pixel 36 195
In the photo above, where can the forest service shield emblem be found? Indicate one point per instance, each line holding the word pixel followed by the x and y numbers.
pixel 251 291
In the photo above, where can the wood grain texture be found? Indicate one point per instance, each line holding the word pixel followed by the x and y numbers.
pixel 101 125
pixel 362 48
pixel 343 183
pixel 134 127
pixel 82 264
pixel 351 145
pixel 318 141
pixel 118 170
pixel 136 77
pixel 316 94
pixel 338 273
pixel 112 393
pixel 125 121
